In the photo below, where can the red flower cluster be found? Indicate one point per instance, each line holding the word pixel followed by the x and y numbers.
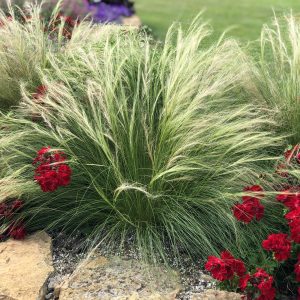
pixel 264 283
pixel 7 211
pixel 251 207
pixel 226 267
pixel 51 172
pixel 280 244
pixel 243 281
pixel 293 218
pixel 290 198
pixel 259 286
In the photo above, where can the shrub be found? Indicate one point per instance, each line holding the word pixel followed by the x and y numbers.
pixel 158 149
pixel 277 76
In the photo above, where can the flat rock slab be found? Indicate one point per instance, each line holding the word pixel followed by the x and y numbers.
pixel 217 295
pixel 120 279
pixel 25 266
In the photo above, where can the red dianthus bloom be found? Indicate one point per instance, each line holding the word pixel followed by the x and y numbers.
pixel 264 282
pixel 225 267
pixel 51 171
pixel 243 281
pixel 236 265
pixel 247 211
pixel 293 215
pixel 218 268
pixel 280 244
pixel 253 191
pixel 64 175
pixel 290 198
pixel 295 230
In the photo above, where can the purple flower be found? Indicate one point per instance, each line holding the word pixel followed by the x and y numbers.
pixel 107 13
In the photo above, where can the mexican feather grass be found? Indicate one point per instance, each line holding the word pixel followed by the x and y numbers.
pixel 159 150
pixel 278 73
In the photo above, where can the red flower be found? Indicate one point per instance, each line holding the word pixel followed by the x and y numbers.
pixel 290 198
pixel 49 181
pixel 280 244
pixel 64 175
pixel 293 218
pixel 237 265
pixel 297 269
pixel 293 215
pixel 243 281
pixel 254 191
pixel 50 173
pixel 225 267
pixel 41 155
pixel 249 210
pixel 260 275
pixel 264 282
pixel 17 232
pixel 218 268
pixel 295 231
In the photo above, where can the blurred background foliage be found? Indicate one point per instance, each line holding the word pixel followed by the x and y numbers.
pixel 245 16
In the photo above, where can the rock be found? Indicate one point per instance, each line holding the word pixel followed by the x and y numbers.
pixel 120 279
pixel 133 21
pixel 216 295
pixel 25 266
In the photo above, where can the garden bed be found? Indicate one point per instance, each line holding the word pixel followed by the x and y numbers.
pixel 182 153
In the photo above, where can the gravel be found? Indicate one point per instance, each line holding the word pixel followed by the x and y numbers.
pixel 68 251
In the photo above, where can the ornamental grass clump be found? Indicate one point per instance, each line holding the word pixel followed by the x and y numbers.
pixel 277 76
pixel 157 149
pixel 26 43
pixel 23 50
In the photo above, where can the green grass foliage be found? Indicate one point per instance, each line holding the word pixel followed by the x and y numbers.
pixel 159 144
pixel 278 73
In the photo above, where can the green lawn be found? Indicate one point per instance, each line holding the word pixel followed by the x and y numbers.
pixel 247 16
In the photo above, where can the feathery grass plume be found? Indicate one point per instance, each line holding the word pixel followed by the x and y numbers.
pixel 278 73
pixel 159 150
pixel 26 42
pixel 23 48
